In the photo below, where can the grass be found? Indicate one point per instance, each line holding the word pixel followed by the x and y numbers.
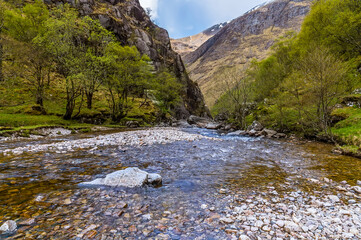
pixel 17 112
pixel 349 130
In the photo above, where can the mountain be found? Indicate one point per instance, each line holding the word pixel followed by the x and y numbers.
pixel 132 26
pixel 248 37
pixel 189 44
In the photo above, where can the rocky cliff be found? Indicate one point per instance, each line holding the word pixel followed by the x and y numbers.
pixel 186 45
pixel 131 25
pixel 242 40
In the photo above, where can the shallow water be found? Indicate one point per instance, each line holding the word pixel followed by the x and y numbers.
pixel 44 186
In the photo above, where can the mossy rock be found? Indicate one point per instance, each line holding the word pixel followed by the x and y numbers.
pixel 35 110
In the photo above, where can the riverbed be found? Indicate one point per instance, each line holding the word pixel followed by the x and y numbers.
pixel 214 187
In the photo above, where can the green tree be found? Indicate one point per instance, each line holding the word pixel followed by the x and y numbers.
pixel 166 92
pixel 63 39
pixel 94 67
pixel 325 76
pixel 126 70
pixel 24 26
pixel 335 24
pixel 2 17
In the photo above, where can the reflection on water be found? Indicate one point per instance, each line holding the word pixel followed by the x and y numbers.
pixel 192 172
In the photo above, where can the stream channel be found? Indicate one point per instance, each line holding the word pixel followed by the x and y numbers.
pixel 221 187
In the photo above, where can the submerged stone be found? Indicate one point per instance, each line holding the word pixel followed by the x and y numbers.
pixel 8 226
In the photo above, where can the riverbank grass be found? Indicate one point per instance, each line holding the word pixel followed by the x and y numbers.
pixel 348 131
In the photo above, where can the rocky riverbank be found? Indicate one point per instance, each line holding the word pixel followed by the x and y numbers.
pixel 122 139
pixel 214 187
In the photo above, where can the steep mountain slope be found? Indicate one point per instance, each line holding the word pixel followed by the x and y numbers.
pixel 245 38
pixel 131 25
pixel 187 45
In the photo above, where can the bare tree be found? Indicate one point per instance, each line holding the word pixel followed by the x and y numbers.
pixel 239 91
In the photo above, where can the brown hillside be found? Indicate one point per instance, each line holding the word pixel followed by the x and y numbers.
pixel 245 38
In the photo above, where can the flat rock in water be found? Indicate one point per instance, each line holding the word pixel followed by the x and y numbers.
pixel 130 177
pixel 236 133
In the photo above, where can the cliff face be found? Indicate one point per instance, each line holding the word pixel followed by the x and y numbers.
pixel 131 25
pixel 245 38
pixel 186 45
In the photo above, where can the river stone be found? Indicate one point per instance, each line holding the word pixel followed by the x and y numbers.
pixel 154 178
pixel 268 132
pixel 357 189
pixel 213 126
pixel 291 227
pixel 244 237
pixel 130 177
pixel 236 133
pixel 256 126
pixel 8 226
pixel 334 198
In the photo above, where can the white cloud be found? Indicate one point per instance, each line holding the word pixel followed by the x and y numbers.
pixel 152 4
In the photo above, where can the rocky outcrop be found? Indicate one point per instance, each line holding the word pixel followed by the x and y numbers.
pixel 130 177
pixel 248 37
pixel 132 26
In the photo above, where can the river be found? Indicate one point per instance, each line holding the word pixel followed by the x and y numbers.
pixel 219 187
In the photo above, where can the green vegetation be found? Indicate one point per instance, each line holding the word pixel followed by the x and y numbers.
pixel 57 68
pixel 300 87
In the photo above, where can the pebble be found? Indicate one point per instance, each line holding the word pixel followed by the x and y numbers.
pixel 226 220
pixel 334 198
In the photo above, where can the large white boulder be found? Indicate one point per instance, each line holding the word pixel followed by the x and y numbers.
pixel 130 177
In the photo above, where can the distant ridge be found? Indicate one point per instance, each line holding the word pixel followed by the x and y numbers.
pixel 243 39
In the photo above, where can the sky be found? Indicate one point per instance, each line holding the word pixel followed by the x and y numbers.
pixel 184 18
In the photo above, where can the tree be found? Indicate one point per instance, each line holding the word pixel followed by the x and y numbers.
pixel 63 39
pixel 127 70
pixel 325 76
pixel 166 92
pixel 24 26
pixel 97 40
pixel 335 24
pixel 239 90
pixel 2 17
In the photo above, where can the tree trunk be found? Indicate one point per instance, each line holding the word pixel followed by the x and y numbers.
pixel 89 100
pixel 1 60
pixel 69 110
pixel 39 99
pixel 70 105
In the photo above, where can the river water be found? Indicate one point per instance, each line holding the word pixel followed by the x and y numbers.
pixel 202 181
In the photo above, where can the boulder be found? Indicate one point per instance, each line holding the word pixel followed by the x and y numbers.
pixel 256 126
pixel 132 124
pixel 8 226
pixel 130 177
pixel 154 179
pixel 268 133
pixel 197 120
pixel 280 135
pixel 213 126
pixel 203 122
